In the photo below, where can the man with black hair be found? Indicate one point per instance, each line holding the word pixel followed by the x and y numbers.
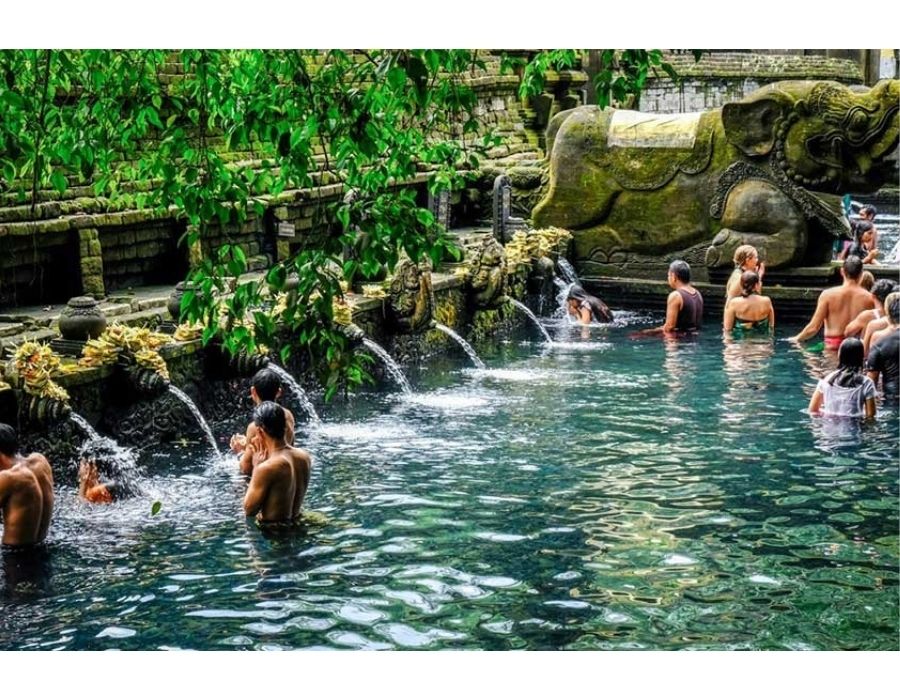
pixel 838 306
pixel 280 480
pixel 884 357
pixel 26 492
pixel 879 292
pixel 684 307
pixel 265 386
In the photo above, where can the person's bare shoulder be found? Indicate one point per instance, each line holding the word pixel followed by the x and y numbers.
pixel 38 463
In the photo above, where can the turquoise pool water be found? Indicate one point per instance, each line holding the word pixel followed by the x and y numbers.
pixel 609 493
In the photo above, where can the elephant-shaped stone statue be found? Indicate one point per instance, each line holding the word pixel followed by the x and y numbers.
pixel 767 170
pixel 411 300
pixel 488 275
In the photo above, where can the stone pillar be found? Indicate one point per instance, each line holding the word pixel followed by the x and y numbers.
pixel 439 206
pixel 90 255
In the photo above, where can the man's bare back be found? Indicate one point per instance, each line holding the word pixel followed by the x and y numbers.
pixel 842 305
pixel 838 306
pixel 26 500
pixel 278 485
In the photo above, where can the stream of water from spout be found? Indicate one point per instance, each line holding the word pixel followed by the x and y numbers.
pixel 392 367
pixel 295 387
pixel 87 428
pixel 519 305
pixel 470 351
pixel 192 407
pixel 567 271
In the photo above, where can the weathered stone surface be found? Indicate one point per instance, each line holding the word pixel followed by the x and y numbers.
pixel 757 171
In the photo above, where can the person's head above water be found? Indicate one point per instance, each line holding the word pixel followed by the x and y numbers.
pixel 867 280
pixel 892 307
pixel 744 255
pixel 851 354
pixel 269 417
pixel 881 289
pixel 266 386
pixel 868 212
pixel 749 283
pixel 852 268
pixel 9 442
pixel 679 271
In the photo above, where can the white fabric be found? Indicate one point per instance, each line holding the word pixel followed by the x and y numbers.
pixel 629 129
pixel 846 401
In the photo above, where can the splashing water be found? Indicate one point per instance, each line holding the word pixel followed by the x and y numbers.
pixel 567 271
pixel 519 305
pixel 295 387
pixel 389 364
pixel 470 351
pixel 192 407
pixel 564 289
pixel 114 461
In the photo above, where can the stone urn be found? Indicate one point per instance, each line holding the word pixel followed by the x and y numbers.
pixel 173 305
pixel 82 319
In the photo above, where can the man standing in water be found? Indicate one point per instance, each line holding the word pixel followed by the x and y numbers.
pixel 265 386
pixel 279 482
pixel 684 307
pixel 838 306
pixel 26 493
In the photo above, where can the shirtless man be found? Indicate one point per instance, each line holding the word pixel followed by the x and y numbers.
pixel 26 493
pixel 265 386
pixel 279 482
pixel 838 306
pixel 879 293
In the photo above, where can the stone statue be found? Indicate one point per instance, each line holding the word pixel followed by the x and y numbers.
pixel 487 280
pixel 410 306
pixel 767 171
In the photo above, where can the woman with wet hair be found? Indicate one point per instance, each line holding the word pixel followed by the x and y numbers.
pixel 585 308
pixel 746 259
pixel 751 312
pixel 847 391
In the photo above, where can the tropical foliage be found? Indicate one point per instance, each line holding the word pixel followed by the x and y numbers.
pixel 215 137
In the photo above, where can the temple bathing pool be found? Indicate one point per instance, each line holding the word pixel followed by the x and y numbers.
pixel 606 493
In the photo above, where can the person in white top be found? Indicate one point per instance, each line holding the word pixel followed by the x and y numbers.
pixel 847 391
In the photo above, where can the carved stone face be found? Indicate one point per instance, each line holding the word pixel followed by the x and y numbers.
pixel 822 135
pixel 411 300
pixel 487 284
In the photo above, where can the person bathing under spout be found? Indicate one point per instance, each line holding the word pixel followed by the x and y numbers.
pixel 26 493
pixel 279 482
pixel 265 386
pixel 838 306
pixel 585 308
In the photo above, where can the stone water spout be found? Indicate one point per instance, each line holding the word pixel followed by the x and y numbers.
pixel 487 282
pixel 410 307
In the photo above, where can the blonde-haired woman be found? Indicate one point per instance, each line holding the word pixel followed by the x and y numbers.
pixel 746 259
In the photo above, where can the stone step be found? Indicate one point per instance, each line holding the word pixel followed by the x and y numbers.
pixel 10 329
